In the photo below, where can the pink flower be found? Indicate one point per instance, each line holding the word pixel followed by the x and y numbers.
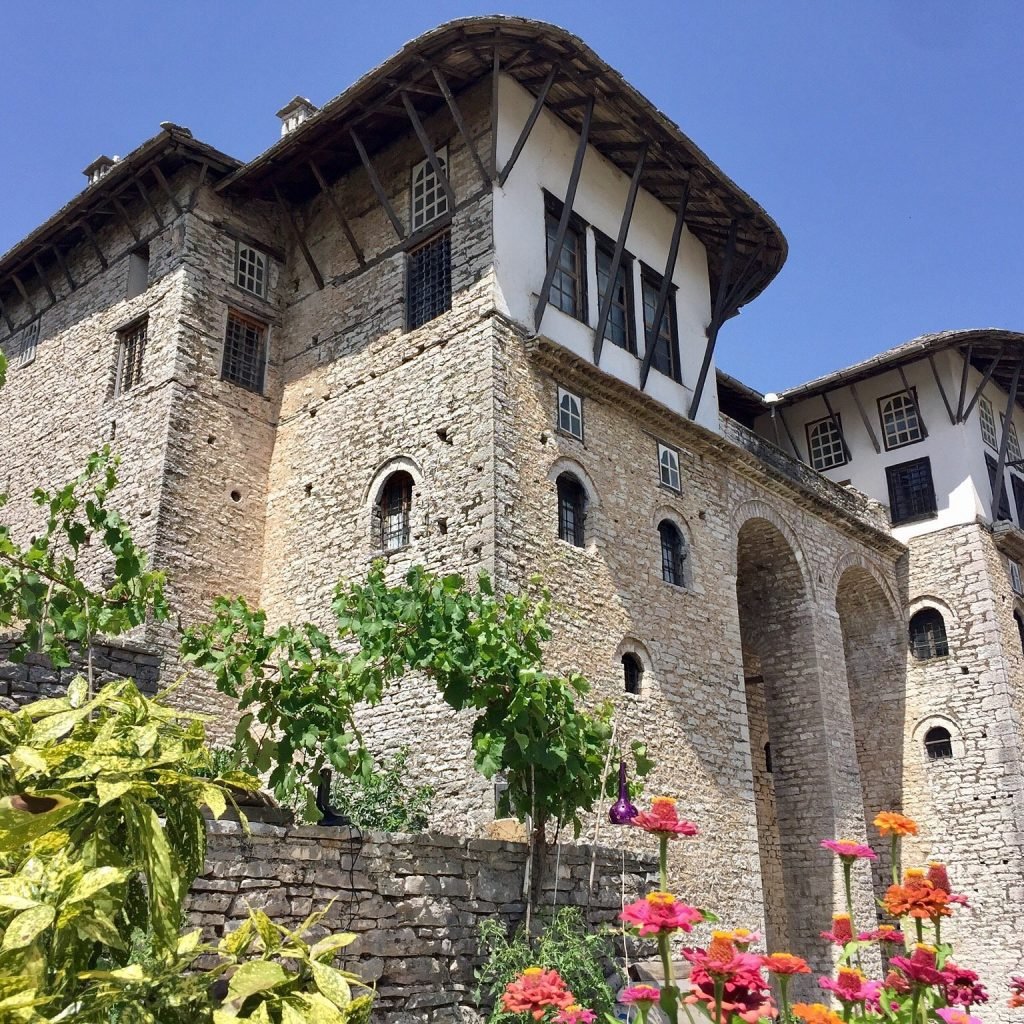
pixel 951 1015
pixel 575 1014
pixel 658 913
pixel 640 995
pixel 920 968
pixel 663 820
pixel 852 987
pixel 849 850
pixel 962 987
pixel 883 933
pixel 842 930
pixel 745 993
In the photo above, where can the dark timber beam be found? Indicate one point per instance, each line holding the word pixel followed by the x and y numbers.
pixel 42 277
pixel 538 106
pixel 378 188
pixel 442 84
pixel 62 263
pixel 739 289
pixel 123 214
pixel 666 283
pixel 620 245
pixel 168 191
pixel 789 434
pixel 149 203
pixel 717 317
pixel 563 221
pixel 912 395
pixel 985 378
pixel 339 213
pixel 95 245
pixel 865 420
pixel 847 454
pixel 7 319
pixel 428 149
pixel 942 390
pixel 964 373
pixel 299 240
pixel 998 483
pixel 495 82
pixel 24 295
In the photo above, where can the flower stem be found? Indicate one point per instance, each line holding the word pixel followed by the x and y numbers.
pixel 669 1001
pixel 895 858
pixel 848 887
pixel 937 921
pixel 719 992
pixel 920 929
pixel 663 862
pixel 784 997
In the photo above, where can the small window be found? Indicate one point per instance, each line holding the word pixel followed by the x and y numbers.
pixel 911 492
pixel 1012 441
pixel 901 424
pixel 988 423
pixel 570 414
pixel 131 350
pixel 572 510
pixel 429 198
pixel 938 743
pixel 768 758
pixel 620 327
pixel 632 672
pixel 394 511
pixel 251 269
pixel 138 271
pixel 1004 502
pixel 668 467
pixel 245 352
pixel 428 275
pixel 1016 583
pixel 569 285
pixel 928 635
pixel 20 348
pixel 673 554
pixel 825 443
pixel 1018 497
pixel 666 339
pixel 1020 629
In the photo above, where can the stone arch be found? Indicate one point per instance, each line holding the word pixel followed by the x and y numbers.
pixel 384 469
pixel 947 611
pixel 371 516
pixel 941 720
pixel 631 645
pixel 564 464
pixel 676 518
pixel 854 559
pixel 756 508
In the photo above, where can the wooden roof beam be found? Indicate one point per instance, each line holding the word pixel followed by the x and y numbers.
pixel 7 319
pixel 378 188
pixel 339 213
pixel 986 377
pixel 165 186
pixel 149 203
pixel 847 454
pixel 46 281
pixel 912 395
pixel 429 151
pixel 123 214
pixel 865 419
pixel 998 481
pixel 24 295
pixel 62 263
pixel 964 373
pixel 942 390
pixel 460 124
pixel 538 105
pixel 87 228
pixel 299 239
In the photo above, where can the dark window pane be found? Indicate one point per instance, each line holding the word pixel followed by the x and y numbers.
pixel 132 350
pixel 619 327
pixel 928 635
pixel 394 511
pixel 673 554
pixel 1004 502
pixel 572 510
pixel 666 341
pixel 1018 497
pixel 911 493
pixel 567 286
pixel 938 743
pixel 429 280
pixel 244 353
pixel 632 671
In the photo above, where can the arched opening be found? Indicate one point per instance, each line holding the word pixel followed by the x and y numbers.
pixel 938 743
pixel 1020 628
pixel 928 635
pixel 673 553
pixel 572 509
pixel 394 511
pixel 632 672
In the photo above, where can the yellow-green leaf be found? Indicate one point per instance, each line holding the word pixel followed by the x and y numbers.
pixel 331 944
pixel 320 1009
pixel 26 927
pixel 27 816
pixel 255 976
pixel 290 1014
pixel 27 759
pixel 213 797
pixel 270 936
pixel 133 972
pixel 97 926
pixel 109 791
pixel 332 984
pixel 93 881
pixel 237 942
pixel 188 942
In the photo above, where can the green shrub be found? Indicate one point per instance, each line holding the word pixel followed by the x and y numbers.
pixel 385 801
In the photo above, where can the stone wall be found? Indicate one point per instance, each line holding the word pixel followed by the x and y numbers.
pixel 416 902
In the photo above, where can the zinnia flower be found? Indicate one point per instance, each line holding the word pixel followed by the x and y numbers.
pixel 849 850
pixel 640 995
pixel 883 933
pixel 892 823
pixel 745 938
pixel 842 930
pixel 951 1015
pixel 1016 991
pixel 536 991
pixel 920 968
pixel 785 963
pixel 745 993
pixel 939 877
pixel 658 913
pixel 575 1014
pixel 962 987
pixel 851 986
pixel 917 897
pixel 816 1013
pixel 721 959
pixel 663 820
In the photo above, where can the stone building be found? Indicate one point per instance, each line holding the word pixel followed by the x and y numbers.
pixel 465 315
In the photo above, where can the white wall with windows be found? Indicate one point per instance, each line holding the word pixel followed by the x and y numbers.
pixel 520 252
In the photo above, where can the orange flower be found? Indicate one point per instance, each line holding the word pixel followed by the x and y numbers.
pixel 816 1013
pixel 536 991
pixel 842 930
pixel 785 963
pixel 916 897
pixel 892 823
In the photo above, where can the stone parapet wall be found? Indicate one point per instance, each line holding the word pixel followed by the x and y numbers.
pixel 416 902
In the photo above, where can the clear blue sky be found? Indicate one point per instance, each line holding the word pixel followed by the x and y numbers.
pixel 884 136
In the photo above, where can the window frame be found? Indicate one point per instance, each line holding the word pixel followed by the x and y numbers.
pixel 604 246
pixel 137 280
pixel 384 517
pixel 577 229
pixel 580 509
pixel 234 313
pixel 911 394
pixel 676 562
pixel 945 742
pixel 837 426
pixel 670 450
pixel 561 393
pixel 440 195
pixel 1013 452
pixel 238 275
pixel 937 646
pixel 443 236
pixel 986 416
pixel 21 346
pixel 650 278
pixel 632 664
pixel 128 336
pixel 917 516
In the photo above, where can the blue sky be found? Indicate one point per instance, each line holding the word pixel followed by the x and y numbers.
pixel 884 136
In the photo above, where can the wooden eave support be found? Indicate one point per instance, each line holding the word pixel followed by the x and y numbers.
pixel 912 395
pixel 123 214
pixel 168 191
pixel 62 263
pixel 789 434
pixel 149 203
pixel 24 295
pixel 339 213
pixel 620 245
pixel 666 281
pixel 538 106
pixel 6 318
pixel 865 420
pixel 847 454
pixel 986 377
pixel 495 83
pixel 964 374
pixel 87 228
pixel 563 221
pixel 942 390
pixel 442 84
pixel 378 188
pixel 299 240
pixel 40 273
pixel 428 149
pixel 998 483
pixel 717 318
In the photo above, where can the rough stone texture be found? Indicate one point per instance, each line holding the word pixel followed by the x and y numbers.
pixel 416 902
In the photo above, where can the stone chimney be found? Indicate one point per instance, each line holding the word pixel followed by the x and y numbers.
pixel 292 114
pixel 99 167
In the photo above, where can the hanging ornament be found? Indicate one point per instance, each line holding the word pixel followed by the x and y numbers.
pixel 622 812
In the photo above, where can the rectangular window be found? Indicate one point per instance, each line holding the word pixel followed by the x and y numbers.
pixel 911 492
pixel 20 348
pixel 570 414
pixel 1018 497
pixel 1004 502
pixel 138 271
pixel 569 285
pixel 245 352
pixel 428 278
pixel 251 268
pixel 620 328
pixel 668 467
pixel 131 350
pixel 901 424
pixel 1012 441
pixel 666 339
pixel 428 197
pixel 825 443
pixel 988 423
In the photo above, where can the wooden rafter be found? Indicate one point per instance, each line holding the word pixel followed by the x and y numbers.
pixel 378 188
pixel 865 420
pixel 6 318
pixel 300 241
pixel 168 191
pixel 986 377
pixel 24 295
pixel 620 245
pixel 998 482
pixel 563 221
pixel 62 263
pixel 87 228
pixel 149 202
pixel 964 374
pixel 440 173
pixel 339 213
pixel 912 395
pixel 460 123
pixel 942 390
pixel 538 106
pixel 41 274
pixel 123 214
pixel 739 290
pixel 789 434
pixel 495 82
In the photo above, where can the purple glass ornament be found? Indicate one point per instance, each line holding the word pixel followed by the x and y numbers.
pixel 622 812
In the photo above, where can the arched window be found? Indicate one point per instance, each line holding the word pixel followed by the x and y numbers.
pixel 572 509
pixel 394 511
pixel 632 672
pixel 900 422
pixel 1020 628
pixel 928 635
pixel 768 758
pixel 938 743
pixel 673 553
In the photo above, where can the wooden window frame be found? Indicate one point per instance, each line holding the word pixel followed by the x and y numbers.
pixel 936 646
pixel 675 564
pixel 605 246
pixel 652 279
pixel 632 673
pixel 241 277
pixel 911 394
pixel 131 355
pixel 440 196
pixel 577 230
pixel 670 450
pixel 579 510
pixel 413 280
pixel 561 392
pixel 890 479
pixel 837 426
pixel 264 342
pixel 984 405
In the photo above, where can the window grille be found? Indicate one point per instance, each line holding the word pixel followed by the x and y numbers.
pixel 251 270
pixel 673 554
pixel 131 350
pixel 668 467
pixel 988 423
pixel 395 511
pixel 1004 502
pixel 619 328
pixel 570 413
pixel 928 635
pixel 825 443
pixel 428 274
pixel 572 510
pixel 938 743
pixel 20 348
pixel 633 672
pixel 1020 629
pixel 245 352
pixel 666 339
pixel 568 287
pixel 429 199
pixel 1015 581
pixel 911 492
pixel 1012 441
pixel 900 422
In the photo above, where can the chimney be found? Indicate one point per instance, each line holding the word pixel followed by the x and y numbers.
pixel 99 167
pixel 292 114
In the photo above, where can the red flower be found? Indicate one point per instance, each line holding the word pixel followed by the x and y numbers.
pixel 658 913
pixel 883 933
pixel 917 897
pixel 663 819
pixel 1016 991
pixel 842 930
pixel 939 877
pixel 785 963
pixel 721 959
pixel 849 849
pixel 535 992
pixel 745 993
pixel 640 995
pixel 920 968
pixel 575 1014
pixel 962 987
pixel 851 986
